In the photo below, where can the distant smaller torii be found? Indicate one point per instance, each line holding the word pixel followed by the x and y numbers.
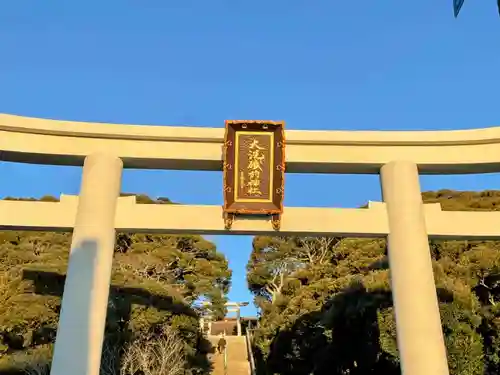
pixel 231 307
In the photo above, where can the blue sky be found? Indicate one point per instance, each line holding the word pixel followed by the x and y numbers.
pixel 378 65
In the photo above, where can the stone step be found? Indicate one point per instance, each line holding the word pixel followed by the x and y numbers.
pixel 237 358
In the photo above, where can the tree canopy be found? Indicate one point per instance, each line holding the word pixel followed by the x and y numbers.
pixel 156 281
pixel 326 304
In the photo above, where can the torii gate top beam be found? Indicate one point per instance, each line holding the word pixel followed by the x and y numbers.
pixel 42 141
pixel 228 304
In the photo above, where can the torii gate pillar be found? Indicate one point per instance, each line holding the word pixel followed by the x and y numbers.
pixel 84 305
pixel 418 323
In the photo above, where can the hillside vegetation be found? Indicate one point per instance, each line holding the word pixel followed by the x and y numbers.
pixel 327 306
pixel 155 281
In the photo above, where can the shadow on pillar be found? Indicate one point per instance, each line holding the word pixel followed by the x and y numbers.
pixel 118 333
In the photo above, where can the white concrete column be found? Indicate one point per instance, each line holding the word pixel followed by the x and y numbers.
pixel 84 304
pixel 238 321
pixel 418 323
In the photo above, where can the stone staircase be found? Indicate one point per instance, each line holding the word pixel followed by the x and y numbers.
pixel 237 358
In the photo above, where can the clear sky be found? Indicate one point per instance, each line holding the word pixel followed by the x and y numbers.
pixel 387 65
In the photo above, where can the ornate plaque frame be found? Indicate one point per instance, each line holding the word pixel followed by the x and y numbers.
pixel 254 169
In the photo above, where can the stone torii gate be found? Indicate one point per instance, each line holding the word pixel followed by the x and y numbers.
pixel 231 307
pixel 236 307
pixel 105 149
